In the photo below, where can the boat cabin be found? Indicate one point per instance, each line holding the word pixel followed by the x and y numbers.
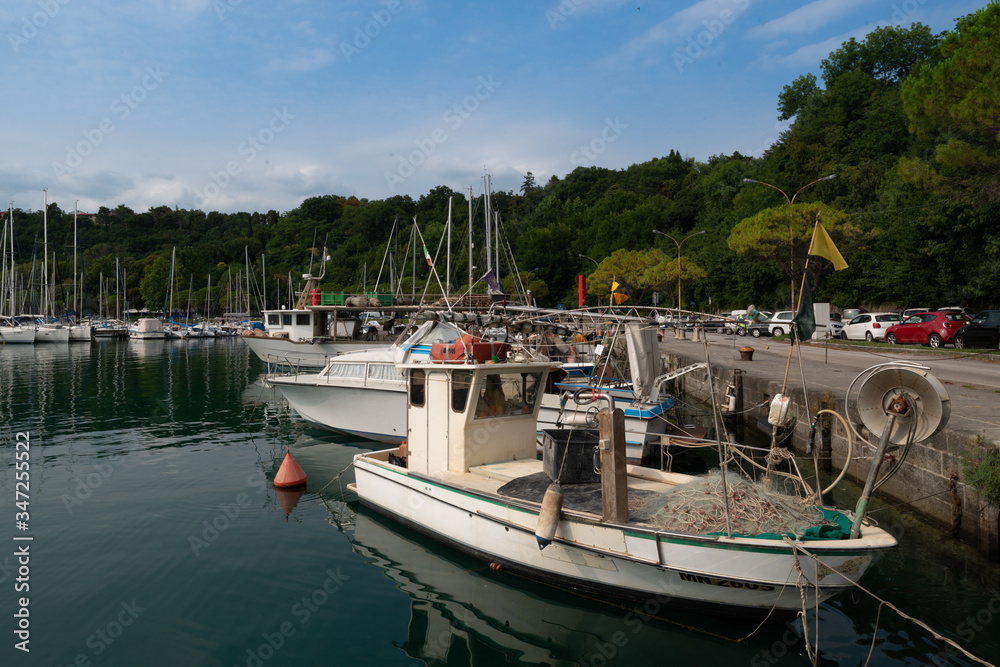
pixel 305 324
pixel 471 414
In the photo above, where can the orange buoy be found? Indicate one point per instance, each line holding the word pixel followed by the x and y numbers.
pixel 290 473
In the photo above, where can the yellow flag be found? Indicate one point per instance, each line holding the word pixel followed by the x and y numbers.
pixel 614 285
pixel 822 245
pixel 619 298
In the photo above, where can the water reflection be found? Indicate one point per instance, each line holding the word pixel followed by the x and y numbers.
pixel 462 613
pixel 60 391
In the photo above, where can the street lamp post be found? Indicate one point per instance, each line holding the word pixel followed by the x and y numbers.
pixel 678 331
pixel 791 201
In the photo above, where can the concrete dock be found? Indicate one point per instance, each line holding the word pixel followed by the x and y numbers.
pixel 971 378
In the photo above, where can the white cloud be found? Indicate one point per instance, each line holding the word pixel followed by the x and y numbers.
pixel 683 24
pixel 810 55
pixel 807 18
pixel 303 62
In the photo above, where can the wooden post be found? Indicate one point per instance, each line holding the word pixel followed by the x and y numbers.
pixel 614 483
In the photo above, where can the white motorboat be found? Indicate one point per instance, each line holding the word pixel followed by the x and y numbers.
pixel 149 328
pixel 362 393
pixel 469 477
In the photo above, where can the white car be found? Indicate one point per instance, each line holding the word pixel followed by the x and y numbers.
pixel 781 322
pixel 869 326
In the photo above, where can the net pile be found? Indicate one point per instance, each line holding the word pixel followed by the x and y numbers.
pixel 698 507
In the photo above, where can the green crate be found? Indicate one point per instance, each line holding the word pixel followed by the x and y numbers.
pixel 332 298
pixel 385 298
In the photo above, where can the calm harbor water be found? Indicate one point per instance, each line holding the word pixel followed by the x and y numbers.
pixel 157 539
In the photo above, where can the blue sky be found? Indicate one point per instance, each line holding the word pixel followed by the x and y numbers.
pixel 249 105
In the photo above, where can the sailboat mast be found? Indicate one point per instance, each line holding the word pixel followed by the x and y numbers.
pixel 246 255
pixel 470 239
pixel 447 271
pixel 45 251
pixel 489 222
pixel 170 287
pixel 76 309
pixel 190 294
pixel 10 274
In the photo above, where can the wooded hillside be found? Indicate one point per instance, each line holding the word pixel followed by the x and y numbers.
pixel 907 121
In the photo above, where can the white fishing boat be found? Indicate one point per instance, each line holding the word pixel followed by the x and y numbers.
pixel 304 338
pixel 469 477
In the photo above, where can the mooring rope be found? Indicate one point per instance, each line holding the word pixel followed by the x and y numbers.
pixel 886 603
pixel 337 478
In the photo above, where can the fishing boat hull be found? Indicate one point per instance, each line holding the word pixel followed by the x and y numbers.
pixel 740 577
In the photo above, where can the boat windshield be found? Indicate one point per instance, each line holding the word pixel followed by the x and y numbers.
pixel 505 394
pixel 435 332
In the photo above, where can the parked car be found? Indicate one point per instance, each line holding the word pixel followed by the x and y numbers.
pixel 869 326
pixel 913 311
pixel 850 313
pixel 934 328
pixel 717 322
pixel 760 329
pixel 741 321
pixel 982 331
pixel 781 322
pixel 969 312
pixel 836 329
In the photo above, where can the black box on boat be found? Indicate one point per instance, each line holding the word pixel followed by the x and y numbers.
pixel 568 455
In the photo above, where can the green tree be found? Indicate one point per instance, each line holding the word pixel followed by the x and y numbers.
pixel 665 275
pixel 797 95
pixel 153 286
pixel 529 183
pixel 628 268
pixel 952 102
pixel 783 233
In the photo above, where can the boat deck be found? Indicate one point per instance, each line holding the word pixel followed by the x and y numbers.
pixel 525 480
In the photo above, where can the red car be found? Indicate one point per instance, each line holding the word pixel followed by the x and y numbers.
pixel 935 329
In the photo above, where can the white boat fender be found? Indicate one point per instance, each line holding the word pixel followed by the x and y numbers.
pixel 779 410
pixel 548 517
pixel 731 397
